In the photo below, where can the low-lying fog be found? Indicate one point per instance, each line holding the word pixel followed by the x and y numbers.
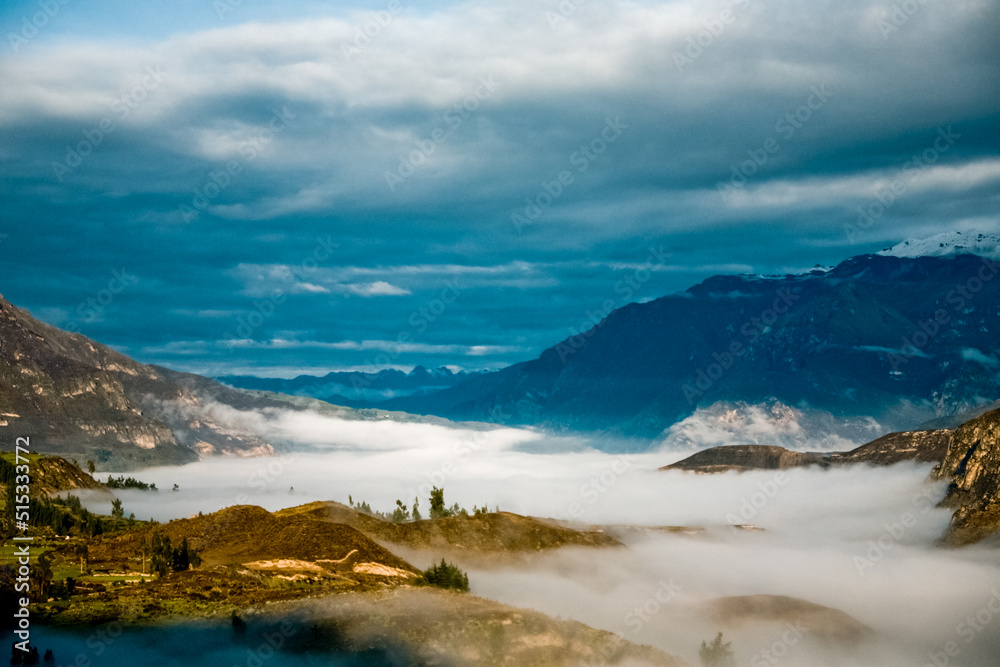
pixel 860 539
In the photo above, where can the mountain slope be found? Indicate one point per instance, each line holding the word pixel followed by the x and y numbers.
pixel 77 398
pixel 895 338
pixel 973 466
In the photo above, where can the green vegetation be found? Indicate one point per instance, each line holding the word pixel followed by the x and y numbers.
pixel 401 514
pixel 717 654
pixel 446 575
pixel 124 482
pixel 163 558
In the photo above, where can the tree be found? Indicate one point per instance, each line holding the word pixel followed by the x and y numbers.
pixel 161 555
pixel 416 510
pixel 400 514
pixel 438 508
pixel 446 575
pixel 116 509
pixel 81 551
pixel 717 654
pixel 176 488
pixel 181 557
pixel 90 467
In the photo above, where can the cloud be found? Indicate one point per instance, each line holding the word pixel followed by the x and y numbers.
pixel 274 139
pixel 858 539
pixel 377 288
pixel 972 354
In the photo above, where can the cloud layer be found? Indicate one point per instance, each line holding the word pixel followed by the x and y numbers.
pixel 358 163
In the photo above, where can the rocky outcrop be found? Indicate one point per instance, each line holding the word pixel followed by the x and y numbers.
pixel 921 446
pixel 77 398
pixel 918 446
pixel 745 457
pixel 972 465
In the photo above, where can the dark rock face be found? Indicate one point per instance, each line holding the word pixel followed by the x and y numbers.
pixel 918 446
pixel 77 398
pixel 832 340
pixel 973 466
pixel 745 457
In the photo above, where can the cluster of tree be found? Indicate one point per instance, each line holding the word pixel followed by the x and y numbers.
pixel 403 514
pixel 446 575
pixel 124 482
pixel 163 558
pixel 39 582
pixel 717 654
pixel 19 657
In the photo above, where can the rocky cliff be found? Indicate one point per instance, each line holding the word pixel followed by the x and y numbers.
pixel 77 398
pixel 973 466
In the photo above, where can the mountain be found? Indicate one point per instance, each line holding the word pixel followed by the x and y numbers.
pixel 948 244
pixel 355 389
pixel 973 467
pixel 488 533
pixel 77 398
pixel 897 339
pixel 918 446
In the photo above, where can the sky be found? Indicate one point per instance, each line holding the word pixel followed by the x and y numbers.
pixel 240 186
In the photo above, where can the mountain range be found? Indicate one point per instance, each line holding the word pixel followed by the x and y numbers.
pixel 356 388
pixel 892 337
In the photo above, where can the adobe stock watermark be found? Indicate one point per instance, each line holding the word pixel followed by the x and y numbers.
pixel 121 108
pixel 595 487
pixel 580 161
pixel 223 7
pixel 222 178
pixel 453 117
pixel 870 213
pixel 462 451
pixel 264 308
pixel 419 321
pixel 958 297
pixel 642 614
pixel 751 330
pixel 626 287
pixel 32 26
pixel 785 128
pixel 922 502
pixel 756 501
pixel 704 39
pixel 971 627
pixel 370 30
pixel 564 10
pixel 92 308
pixel 898 16
pixel 779 648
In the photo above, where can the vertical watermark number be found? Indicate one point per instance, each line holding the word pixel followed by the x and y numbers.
pixel 22 489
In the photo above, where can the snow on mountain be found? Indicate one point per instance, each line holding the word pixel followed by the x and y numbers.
pixel 946 244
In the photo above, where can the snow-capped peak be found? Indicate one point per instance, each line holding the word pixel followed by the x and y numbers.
pixel 948 243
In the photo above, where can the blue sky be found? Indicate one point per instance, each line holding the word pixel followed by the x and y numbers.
pixel 299 187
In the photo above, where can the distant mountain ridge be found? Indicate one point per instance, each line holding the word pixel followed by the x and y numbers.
pixel 900 339
pixel 355 388
pixel 77 398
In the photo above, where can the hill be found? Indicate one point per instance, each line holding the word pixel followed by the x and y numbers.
pixel 77 398
pixel 490 533
pixel 50 474
pixel 899 339
pixel 918 446
pixel 251 537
